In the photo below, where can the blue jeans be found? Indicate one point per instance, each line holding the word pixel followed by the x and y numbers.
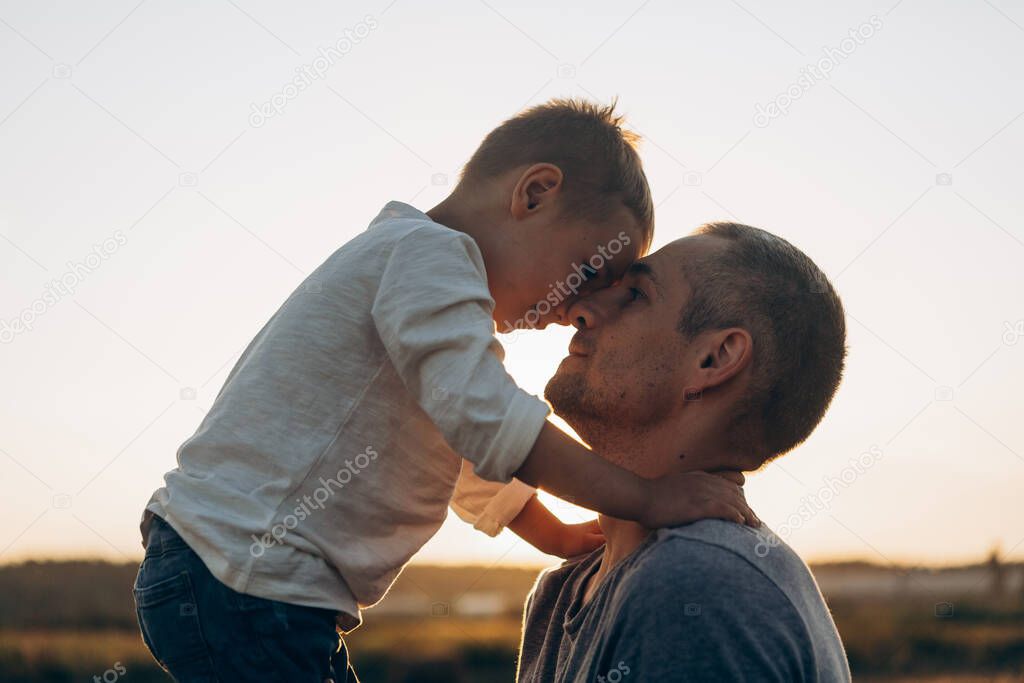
pixel 201 631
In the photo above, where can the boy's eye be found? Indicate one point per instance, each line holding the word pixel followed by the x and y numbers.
pixel 588 273
pixel 635 294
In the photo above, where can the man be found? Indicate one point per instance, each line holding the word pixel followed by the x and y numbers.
pixel 720 351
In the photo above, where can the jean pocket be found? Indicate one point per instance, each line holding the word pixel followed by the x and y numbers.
pixel 169 620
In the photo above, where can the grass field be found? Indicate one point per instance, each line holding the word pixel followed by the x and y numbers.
pixel 885 644
pixel 421 651
pixel 62 622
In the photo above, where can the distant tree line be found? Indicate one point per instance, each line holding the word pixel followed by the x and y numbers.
pixel 75 594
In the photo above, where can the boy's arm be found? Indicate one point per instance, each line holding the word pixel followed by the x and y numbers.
pixel 432 312
pixel 488 505
pixel 562 466
pixel 491 507
pixel 536 525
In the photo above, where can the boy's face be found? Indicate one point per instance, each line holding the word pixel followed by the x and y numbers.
pixel 561 259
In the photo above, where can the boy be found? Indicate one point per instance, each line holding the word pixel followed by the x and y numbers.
pixel 330 454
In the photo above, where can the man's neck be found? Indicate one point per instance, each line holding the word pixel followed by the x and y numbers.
pixel 622 537
pixel 654 452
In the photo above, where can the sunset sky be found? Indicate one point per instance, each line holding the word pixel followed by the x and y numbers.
pixel 134 167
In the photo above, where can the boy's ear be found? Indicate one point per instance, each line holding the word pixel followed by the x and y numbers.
pixel 537 188
pixel 725 354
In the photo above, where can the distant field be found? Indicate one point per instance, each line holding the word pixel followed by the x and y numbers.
pixel 63 622
pixel 65 655
pixel 453 649
pixel 410 651
pixel 389 651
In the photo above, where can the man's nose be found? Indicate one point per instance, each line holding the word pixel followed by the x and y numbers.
pixel 594 308
pixel 583 315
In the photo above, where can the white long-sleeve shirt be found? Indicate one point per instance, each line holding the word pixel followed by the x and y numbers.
pixel 331 453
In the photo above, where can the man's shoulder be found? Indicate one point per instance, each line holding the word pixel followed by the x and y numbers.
pixel 761 547
pixel 711 567
pixel 723 553
pixel 705 557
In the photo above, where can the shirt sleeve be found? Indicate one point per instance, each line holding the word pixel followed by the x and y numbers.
pixel 487 505
pixel 433 313
pixel 720 620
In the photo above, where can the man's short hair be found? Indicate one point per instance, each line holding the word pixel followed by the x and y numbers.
pixel 765 285
pixel 598 158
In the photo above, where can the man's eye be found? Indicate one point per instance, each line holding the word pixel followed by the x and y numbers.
pixel 588 273
pixel 635 294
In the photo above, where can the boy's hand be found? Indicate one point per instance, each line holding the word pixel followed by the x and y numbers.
pixel 562 466
pixel 579 539
pixel 548 534
pixel 677 499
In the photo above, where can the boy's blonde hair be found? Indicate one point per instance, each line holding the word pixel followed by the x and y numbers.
pixel 598 158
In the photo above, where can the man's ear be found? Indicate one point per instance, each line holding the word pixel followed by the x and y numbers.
pixel 537 188
pixel 723 355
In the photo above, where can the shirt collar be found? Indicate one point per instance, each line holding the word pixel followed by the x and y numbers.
pixel 393 210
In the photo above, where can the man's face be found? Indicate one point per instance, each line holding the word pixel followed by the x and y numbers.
pixel 628 364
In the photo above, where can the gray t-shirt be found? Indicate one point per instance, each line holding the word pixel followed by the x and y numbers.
pixel 710 601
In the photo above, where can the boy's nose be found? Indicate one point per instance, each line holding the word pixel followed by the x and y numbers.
pixel 562 313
